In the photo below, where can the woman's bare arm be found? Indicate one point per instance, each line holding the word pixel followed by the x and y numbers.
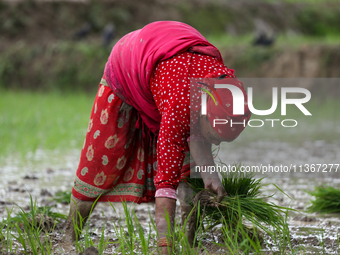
pixel 202 155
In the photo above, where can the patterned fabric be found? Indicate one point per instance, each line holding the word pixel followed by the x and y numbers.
pixel 166 192
pixel 118 162
pixel 170 85
pixel 135 56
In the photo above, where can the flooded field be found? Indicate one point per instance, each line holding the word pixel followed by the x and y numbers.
pixel 44 173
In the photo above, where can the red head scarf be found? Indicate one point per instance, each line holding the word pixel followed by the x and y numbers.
pixel 135 56
pixel 220 109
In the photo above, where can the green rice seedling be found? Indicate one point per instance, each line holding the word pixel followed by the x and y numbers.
pixel 128 239
pixel 281 237
pixel 78 228
pixel 63 197
pixel 87 238
pixel 238 237
pixel 124 239
pixel 243 192
pixel 7 241
pixel 327 200
pixel 144 242
pixel 171 233
pixel 131 235
pixel 178 236
pixel 30 230
pixel 182 239
pixel 88 241
pixel 39 210
pixel 132 238
pixel 322 242
pixel 153 224
pixel 102 241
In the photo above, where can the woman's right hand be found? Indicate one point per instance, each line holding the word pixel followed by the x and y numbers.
pixel 214 184
pixel 201 153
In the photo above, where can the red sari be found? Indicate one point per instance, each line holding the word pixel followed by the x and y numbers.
pixel 121 162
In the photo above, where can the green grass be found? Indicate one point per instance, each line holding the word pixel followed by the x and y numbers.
pixel 327 200
pixel 225 41
pixel 42 210
pixel 63 197
pixel 48 121
pixel 28 230
pixel 131 237
pixel 61 66
pixel 304 1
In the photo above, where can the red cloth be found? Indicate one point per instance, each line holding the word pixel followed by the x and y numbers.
pixel 134 57
pixel 236 123
pixel 116 162
pixel 170 86
pixel 120 162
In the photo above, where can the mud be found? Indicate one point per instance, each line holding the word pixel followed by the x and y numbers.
pixel 90 251
pixel 311 233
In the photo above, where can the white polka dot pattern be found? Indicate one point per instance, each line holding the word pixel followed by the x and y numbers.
pixel 170 86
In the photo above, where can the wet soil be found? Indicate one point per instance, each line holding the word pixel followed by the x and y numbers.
pixel 310 233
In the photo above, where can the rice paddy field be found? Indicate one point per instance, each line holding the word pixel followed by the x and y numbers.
pixel 284 197
pixel 41 136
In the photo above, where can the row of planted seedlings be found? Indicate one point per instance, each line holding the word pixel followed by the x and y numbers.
pixel 29 232
pixel 243 222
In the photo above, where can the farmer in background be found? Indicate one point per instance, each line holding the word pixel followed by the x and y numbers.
pixel 139 142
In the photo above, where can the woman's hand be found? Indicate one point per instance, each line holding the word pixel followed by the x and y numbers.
pixel 215 185
pixel 201 153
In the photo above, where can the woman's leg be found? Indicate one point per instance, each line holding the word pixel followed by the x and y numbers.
pixel 165 206
pixel 103 161
pixel 186 194
pixel 77 207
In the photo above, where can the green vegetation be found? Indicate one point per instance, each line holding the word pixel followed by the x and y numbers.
pixel 63 197
pixel 244 197
pixel 306 1
pixel 88 242
pixel 61 67
pixel 224 41
pixel 71 67
pixel 320 21
pixel 55 62
pixel 49 121
pixel 47 90
pixel 29 229
pixel 31 121
pixel 133 238
pixel 41 210
pixel 327 200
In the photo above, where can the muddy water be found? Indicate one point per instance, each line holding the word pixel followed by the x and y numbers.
pixel 42 174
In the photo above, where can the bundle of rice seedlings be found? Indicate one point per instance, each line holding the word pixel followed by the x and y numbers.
pixel 244 198
pixel 327 200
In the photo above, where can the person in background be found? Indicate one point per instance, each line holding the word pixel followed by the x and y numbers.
pixel 144 136
pixel 108 34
